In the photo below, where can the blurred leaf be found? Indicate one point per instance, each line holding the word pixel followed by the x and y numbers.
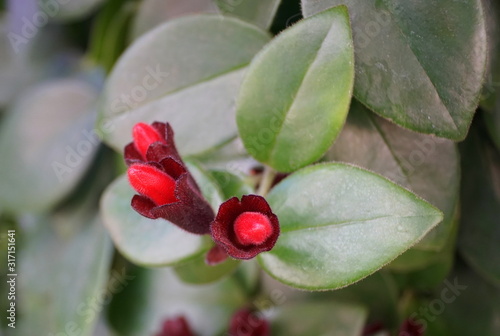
pixel 231 185
pixel 142 240
pixel 46 144
pixel 109 32
pixel 493 124
pixel 196 271
pixel 491 99
pixel 465 305
pixel 480 230
pixel 125 311
pixel 418 63
pixel 258 12
pixel 206 307
pixel 63 270
pixel 426 165
pixel 344 221
pixel 378 292
pixel 314 318
pixel 186 72
pixel 296 95
pixel 67 10
pixel 152 13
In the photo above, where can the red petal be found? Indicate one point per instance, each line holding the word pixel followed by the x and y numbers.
pixel 153 183
pixel 145 135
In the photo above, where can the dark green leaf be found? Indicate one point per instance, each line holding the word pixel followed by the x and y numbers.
pixel 426 165
pixel 480 230
pixel 339 224
pixel 296 95
pixel 378 292
pixel 187 72
pixel 418 63
pixel 464 305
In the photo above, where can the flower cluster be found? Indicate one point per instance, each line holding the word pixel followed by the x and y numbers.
pixel 166 189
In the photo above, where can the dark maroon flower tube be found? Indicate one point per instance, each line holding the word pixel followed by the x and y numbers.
pixel 166 188
pixel 177 326
pixel 247 228
pixel 246 323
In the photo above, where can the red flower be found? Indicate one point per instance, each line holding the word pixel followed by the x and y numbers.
pixel 411 328
pixel 244 229
pixel 175 327
pixel 165 186
pixel 246 323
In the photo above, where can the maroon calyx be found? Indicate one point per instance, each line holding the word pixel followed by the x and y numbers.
pixel 245 228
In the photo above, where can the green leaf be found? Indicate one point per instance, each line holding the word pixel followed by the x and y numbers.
pixel 142 240
pixel 426 165
pixel 46 144
pixel 187 72
pixel 317 318
pixel 151 13
pixel 196 271
pixel 418 63
pixel 415 259
pixel 296 95
pixel 339 224
pixel 231 184
pixel 63 268
pixel 480 230
pixel 259 12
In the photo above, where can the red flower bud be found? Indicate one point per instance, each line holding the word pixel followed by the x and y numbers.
pixel 244 229
pixel 153 183
pixel 252 228
pixel 246 323
pixel 167 189
pixel 175 327
pixel 151 143
pixel 144 136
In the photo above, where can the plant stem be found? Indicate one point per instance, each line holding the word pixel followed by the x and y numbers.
pixel 267 181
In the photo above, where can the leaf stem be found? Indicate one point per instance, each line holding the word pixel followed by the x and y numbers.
pixel 267 181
